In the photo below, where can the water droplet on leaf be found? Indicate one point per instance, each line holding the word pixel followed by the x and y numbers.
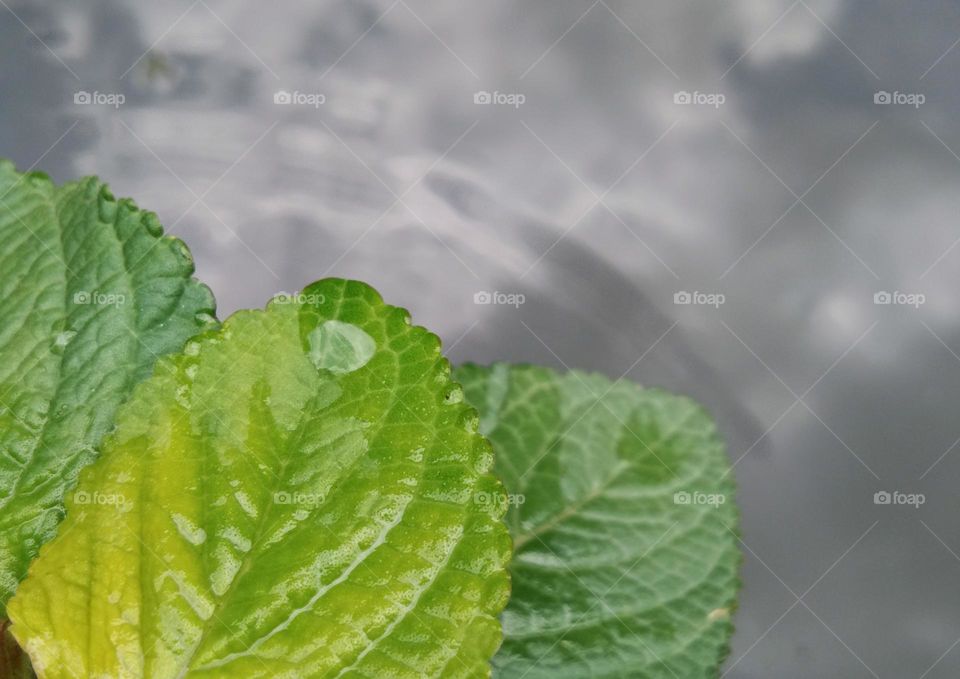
pixel 62 339
pixel 340 347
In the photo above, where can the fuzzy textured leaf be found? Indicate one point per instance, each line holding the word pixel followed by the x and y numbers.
pixel 622 514
pixel 296 495
pixel 91 293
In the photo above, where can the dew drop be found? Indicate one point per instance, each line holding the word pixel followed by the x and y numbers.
pixel 340 347
pixel 718 614
pixel 484 461
pixel 204 318
pixel 62 339
pixel 455 395
pixel 470 421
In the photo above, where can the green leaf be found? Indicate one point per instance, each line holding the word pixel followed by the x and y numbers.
pixel 622 514
pixel 293 496
pixel 90 295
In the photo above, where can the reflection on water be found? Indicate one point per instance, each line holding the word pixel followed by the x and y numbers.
pixel 597 199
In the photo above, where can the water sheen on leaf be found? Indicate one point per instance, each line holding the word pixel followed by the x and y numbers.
pixel 277 504
pixel 91 293
pixel 624 526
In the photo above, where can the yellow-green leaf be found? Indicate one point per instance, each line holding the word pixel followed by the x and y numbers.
pixel 296 495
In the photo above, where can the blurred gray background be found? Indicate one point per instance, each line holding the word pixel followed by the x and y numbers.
pixel 629 152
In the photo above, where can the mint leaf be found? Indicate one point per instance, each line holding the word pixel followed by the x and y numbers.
pixel 296 495
pixel 90 295
pixel 623 522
